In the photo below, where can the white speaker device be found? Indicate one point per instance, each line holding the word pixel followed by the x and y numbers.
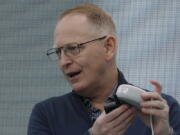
pixel 130 94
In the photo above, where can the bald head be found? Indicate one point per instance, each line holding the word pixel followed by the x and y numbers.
pixel 100 19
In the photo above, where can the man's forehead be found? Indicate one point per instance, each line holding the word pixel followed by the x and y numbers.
pixel 73 22
pixel 74 16
pixel 75 19
pixel 72 27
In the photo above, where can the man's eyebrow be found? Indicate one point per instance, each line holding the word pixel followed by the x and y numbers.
pixel 71 43
pixel 64 45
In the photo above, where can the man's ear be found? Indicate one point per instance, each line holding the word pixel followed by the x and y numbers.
pixel 110 47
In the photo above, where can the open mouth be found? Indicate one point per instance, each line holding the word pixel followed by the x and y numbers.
pixel 73 74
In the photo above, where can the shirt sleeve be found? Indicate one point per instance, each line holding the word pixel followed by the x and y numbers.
pixel 174 115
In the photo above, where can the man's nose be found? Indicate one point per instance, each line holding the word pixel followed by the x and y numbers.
pixel 65 60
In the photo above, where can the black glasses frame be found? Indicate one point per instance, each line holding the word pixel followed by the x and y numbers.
pixel 78 46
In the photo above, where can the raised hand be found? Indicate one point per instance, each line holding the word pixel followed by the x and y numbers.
pixel 156 106
pixel 115 122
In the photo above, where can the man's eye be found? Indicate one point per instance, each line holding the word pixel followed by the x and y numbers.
pixel 71 48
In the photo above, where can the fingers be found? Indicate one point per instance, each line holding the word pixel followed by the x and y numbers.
pixel 151 95
pixel 121 128
pixel 154 104
pixel 155 94
pixel 123 117
pixel 155 107
pixel 156 112
pixel 157 85
pixel 115 122
pixel 116 113
pixel 120 125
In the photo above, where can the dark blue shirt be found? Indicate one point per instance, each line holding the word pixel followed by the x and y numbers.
pixel 68 115
pixel 92 111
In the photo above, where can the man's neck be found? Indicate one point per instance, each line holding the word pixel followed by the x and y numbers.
pixel 103 92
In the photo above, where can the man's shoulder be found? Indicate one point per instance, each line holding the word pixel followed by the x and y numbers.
pixel 57 101
pixel 171 101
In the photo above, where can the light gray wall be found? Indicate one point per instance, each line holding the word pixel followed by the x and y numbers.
pixel 149 46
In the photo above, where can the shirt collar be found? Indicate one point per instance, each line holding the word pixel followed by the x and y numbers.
pixel 121 80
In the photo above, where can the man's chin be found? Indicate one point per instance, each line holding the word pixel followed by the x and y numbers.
pixel 79 90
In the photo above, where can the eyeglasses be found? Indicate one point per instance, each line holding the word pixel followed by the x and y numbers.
pixel 70 49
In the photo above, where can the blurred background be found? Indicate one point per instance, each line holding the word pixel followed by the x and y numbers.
pixel 149 48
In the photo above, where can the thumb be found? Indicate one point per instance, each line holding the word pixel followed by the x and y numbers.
pixel 158 86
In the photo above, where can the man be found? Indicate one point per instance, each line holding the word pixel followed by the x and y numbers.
pixel 85 46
